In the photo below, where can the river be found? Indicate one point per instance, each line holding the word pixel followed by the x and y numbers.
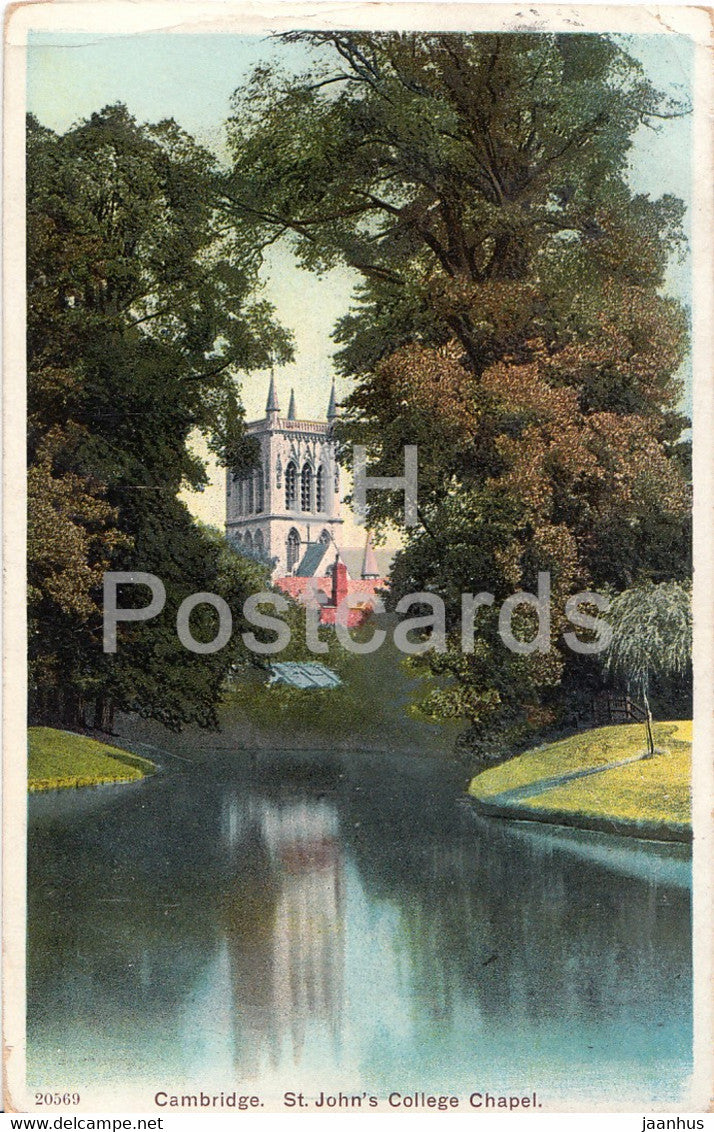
pixel 347 922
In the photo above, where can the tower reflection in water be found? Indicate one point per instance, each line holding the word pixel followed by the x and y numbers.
pixel 283 919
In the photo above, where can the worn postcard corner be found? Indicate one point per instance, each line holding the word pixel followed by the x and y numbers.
pixel 358 560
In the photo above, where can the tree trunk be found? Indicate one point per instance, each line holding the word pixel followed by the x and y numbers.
pixel 104 715
pixel 99 713
pixel 650 736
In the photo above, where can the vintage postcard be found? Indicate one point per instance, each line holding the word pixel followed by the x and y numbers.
pixel 358 559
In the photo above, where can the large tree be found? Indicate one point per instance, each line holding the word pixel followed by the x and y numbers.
pixel 141 309
pixel 511 320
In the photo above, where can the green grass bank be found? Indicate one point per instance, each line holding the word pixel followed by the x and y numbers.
pixel 58 759
pixel 575 782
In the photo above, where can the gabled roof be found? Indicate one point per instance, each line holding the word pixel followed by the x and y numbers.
pixel 353 558
pixel 311 560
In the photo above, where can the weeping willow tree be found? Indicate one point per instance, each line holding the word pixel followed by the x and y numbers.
pixel 651 636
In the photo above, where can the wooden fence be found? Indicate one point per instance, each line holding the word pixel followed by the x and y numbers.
pixel 608 707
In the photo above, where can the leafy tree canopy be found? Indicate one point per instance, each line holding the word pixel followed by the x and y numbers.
pixel 477 182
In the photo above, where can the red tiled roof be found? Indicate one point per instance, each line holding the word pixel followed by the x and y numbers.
pixel 296 587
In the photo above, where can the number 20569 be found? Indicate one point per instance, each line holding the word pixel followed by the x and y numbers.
pixel 57 1098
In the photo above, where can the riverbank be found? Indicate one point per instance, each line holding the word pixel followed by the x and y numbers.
pixel 60 759
pixel 598 780
pixel 372 709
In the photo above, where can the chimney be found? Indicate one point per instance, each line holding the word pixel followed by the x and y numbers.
pixel 339 581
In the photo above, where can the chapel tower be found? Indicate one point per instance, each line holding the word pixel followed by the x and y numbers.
pixel 291 499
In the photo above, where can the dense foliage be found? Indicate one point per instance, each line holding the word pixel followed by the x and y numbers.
pixel 140 309
pixel 510 322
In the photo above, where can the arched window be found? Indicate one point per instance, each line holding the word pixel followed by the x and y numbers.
pixel 293 549
pixel 291 486
pixel 306 488
pixel 258 543
pixel 248 541
pixel 259 490
pixel 320 489
pixel 250 501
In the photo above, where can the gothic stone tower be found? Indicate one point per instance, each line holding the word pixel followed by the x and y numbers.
pixel 292 498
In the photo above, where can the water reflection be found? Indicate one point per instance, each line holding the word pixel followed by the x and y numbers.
pixel 284 926
pixel 352 920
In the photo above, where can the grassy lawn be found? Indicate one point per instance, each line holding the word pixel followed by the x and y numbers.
pixel 651 792
pixel 594 748
pixel 61 758
pixel 656 790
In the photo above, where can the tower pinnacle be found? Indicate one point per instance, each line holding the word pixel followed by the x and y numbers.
pixel 292 415
pixel 272 405
pixel 332 411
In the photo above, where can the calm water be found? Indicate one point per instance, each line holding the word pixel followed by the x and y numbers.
pixel 324 922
